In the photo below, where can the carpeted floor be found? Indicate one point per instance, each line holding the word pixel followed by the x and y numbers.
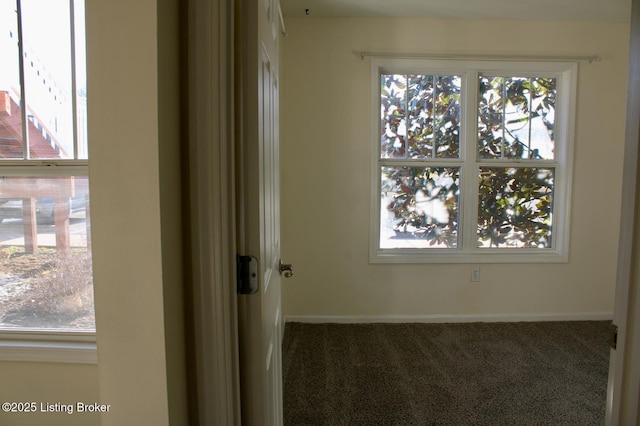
pixel 544 373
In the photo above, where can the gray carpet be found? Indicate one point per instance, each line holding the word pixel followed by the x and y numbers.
pixel 544 373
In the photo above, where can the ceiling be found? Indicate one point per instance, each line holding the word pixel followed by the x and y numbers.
pixel 544 10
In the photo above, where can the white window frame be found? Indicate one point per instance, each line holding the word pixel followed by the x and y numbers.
pixel 467 252
pixel 48 345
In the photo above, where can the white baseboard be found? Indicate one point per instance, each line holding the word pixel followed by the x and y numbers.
pixel 345 319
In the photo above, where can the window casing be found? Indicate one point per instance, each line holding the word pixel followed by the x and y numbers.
pixel 471 161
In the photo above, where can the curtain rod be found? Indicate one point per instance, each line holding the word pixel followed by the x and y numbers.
pixel 455 56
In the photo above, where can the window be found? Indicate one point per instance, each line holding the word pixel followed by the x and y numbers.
pixel 46 279
pixel 472 161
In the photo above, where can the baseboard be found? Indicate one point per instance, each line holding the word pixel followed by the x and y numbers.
pixel 345 319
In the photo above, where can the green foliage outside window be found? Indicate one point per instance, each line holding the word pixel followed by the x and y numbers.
pixel 421 121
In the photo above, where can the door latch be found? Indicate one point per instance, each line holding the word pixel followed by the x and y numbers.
pixel 286 269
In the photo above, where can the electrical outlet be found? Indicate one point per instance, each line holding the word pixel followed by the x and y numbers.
pixel 475 274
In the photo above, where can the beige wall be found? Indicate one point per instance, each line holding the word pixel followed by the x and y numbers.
pixel 124 179
pixel 326 144
pixel 133 132
pixel 48 383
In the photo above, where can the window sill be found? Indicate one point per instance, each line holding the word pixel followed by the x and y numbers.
pixel 73 348
pixel 411 256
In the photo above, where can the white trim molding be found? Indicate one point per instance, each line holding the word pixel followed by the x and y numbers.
pixel 479 57
pixel 49 352
pixel 215 374
pixel 48 346
pixel 449 318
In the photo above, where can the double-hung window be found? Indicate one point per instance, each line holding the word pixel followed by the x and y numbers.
pixel 471 161
pixel 46 285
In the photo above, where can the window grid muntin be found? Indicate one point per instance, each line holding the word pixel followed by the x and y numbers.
pixel 23 101
pixel 74 88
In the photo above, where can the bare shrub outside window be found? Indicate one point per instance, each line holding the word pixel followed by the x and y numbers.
pixel 45 257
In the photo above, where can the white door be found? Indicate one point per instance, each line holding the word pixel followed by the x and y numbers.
pixel 257 161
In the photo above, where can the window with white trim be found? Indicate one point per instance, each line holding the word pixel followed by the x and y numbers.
pixel 471 160
pixel 46 279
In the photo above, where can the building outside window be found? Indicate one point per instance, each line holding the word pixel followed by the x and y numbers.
pixel 46 279
pixel 471 161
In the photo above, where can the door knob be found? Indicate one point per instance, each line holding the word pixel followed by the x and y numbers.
pixel 286 269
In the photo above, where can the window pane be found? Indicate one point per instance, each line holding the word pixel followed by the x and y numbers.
pixel 45 258
pixel 515 207
pixel 543 120
pixel 10 98
pixel 393 106
pixel 47 76
pixel 434 116
pixel 419 207
pixel 490 117
pixel 423 112
pixel 421 120
pixel 516 117
pixel 447 116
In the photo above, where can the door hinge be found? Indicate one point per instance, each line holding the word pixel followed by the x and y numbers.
pixel 247 274
pixel 613 336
